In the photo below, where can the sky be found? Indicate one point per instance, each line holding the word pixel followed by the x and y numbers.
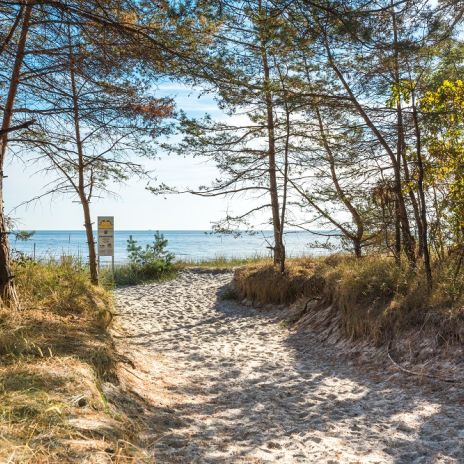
pixel 134 207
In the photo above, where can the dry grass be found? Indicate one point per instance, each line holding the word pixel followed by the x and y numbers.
pixel 55 355
pixel 374 297
pixel 262 283
pixel 222 262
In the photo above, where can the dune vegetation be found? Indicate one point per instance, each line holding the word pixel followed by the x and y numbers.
pixel 343 118
pixel 56 355
pixel 373 297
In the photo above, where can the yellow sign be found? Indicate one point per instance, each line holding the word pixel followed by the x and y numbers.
pixel 105 235
pixel 105 223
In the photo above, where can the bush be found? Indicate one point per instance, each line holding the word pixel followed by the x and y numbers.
pixel 153 262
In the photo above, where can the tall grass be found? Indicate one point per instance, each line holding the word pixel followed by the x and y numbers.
pixel 55 353
pixel 221 262
pixel 63 287
pixel 375 297
pixel 263 283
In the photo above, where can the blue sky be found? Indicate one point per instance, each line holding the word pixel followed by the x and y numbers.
pixel 134 207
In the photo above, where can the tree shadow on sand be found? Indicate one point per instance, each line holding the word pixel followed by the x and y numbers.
pixel 299 400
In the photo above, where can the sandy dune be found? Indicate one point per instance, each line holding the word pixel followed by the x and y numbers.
pixel 234 385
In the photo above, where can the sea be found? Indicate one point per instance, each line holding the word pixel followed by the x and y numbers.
pixel 190 245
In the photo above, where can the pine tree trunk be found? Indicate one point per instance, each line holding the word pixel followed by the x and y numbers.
pixel 357 248
pixel 397 234
pixel 8 292
pixel 423 205
pixel 83 197
pixel 279 248
pixel 285 174
pixel 93 265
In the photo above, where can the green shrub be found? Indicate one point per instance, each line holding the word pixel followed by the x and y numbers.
pixel 153 262
pixel 154 254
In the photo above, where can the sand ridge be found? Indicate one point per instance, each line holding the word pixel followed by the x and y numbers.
pixel 240 387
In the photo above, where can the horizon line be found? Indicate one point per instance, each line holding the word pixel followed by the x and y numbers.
pixel 165 230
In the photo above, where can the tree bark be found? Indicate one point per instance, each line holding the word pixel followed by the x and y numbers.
pixel 279 248
pixel 402 212
pixel 356 238
pixel 397 233
pixel 286 167
pixel 8 294
pixel 420 188
pixel 93 265
pixel 357 248
pixel 84 199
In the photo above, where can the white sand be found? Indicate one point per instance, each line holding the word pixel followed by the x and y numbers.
pixel 239 387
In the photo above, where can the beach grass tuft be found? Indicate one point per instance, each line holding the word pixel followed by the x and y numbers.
pixel 222 262
pixel 374 297
pixel 55 355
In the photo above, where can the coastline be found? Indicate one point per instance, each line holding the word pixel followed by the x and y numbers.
pixel 186 245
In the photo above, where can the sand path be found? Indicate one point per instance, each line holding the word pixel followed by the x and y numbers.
pixel 241 388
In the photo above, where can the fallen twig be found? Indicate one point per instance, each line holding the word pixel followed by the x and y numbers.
pixel 130 372
pixel 420 374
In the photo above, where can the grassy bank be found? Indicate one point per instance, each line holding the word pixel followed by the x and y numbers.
pixel 55 357
pixel 221 262
pixel 373 297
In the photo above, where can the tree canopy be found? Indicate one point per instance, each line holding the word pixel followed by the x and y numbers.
pixel 351 112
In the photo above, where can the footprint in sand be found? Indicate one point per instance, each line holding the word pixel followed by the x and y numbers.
pixel 244 390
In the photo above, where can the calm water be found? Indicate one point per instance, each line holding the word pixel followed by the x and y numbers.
pixel 194 245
